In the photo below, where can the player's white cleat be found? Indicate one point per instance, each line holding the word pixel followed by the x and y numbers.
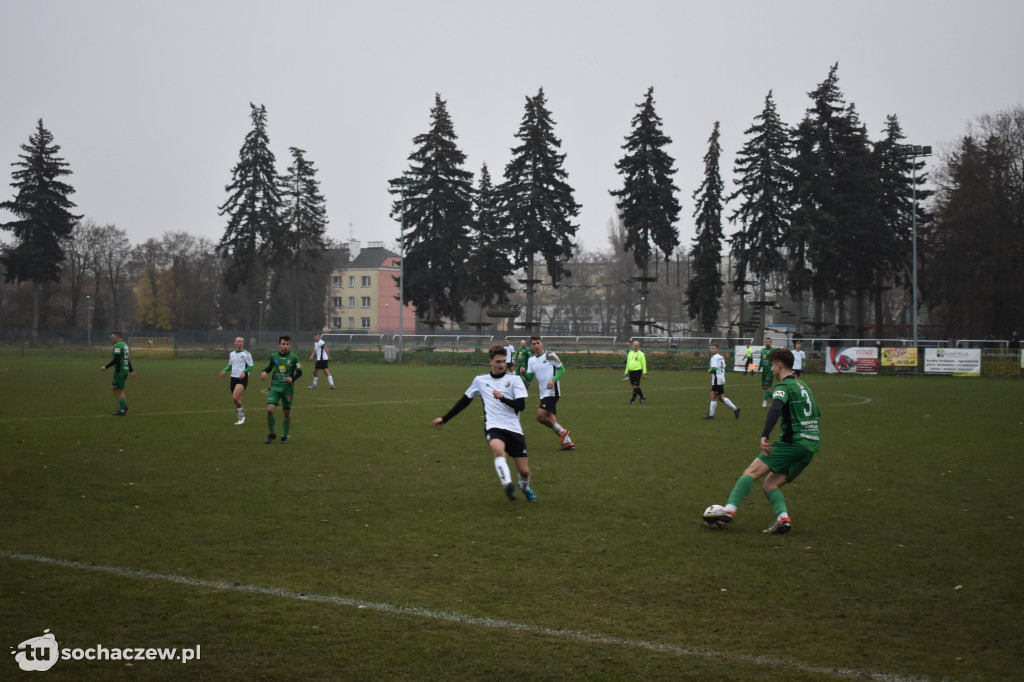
pixel 241 420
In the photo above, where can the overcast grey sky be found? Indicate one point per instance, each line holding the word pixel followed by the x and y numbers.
pixel 150 101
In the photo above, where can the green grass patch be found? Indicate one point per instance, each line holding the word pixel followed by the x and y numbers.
pixel 905 556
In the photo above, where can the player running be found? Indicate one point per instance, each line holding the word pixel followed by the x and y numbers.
pixel 783 460
pixel 240 363
pixel 548 369
pixel 504 397
pixel 717 372
pixel 286 370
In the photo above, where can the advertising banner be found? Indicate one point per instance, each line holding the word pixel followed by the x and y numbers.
pixel 960 362
pixel 851 360
pixel 899 357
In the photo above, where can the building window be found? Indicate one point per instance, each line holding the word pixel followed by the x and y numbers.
pixel 351 281
pixel 336 281
pixel 366 281
pixel 351 301
pixel 351 323
pixel 336 322
pixel 364 322
pixel 337 301
pixel 365 301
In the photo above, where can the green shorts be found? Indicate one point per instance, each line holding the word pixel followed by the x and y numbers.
pixel 767 378
pixel 276 395
pixel 119 379
pixel 788 459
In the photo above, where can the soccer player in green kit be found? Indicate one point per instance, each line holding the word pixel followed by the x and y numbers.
pixel 122 365
pixel 286 370
pixel 788 456
pixel 522 358
pixel 766 371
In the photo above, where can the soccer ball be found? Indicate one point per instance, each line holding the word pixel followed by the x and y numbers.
pixel 713 517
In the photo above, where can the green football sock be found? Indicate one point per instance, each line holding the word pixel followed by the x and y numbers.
pixel 122 404
pixel 270 423
pixel 287 427
pixel 778 501
pixel 743 485
pixel 767 395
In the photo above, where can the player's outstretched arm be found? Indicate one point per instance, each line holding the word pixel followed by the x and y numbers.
pixel 464 402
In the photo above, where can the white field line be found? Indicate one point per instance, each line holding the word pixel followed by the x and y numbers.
pixel 465 619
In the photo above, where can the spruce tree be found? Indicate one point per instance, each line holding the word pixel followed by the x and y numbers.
pixel 704 290
pixel 304 216
pixel 43 217
pixel 489 264
pixel 537 200
pixel 254 232
pixel 857 214
pixel 435 208
pixel 764 184
pixel 835 194
pixel 647 201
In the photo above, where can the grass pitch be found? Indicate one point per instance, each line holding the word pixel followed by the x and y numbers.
pixel 373 546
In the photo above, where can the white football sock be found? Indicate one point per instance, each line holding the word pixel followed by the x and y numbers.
pixel 330 380
pixel 729 404
pixel 714 406
pixel 501 466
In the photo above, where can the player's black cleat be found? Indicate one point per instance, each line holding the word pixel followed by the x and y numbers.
pixel 119 413
pixel 510 490
pixel 284 439
pixel 709 416
pixel 270 439
pixel 737 413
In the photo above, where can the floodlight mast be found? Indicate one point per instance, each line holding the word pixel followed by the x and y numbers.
pixel 914 151
pixel 401 281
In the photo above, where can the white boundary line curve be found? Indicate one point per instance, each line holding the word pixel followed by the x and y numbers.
pixel 456 617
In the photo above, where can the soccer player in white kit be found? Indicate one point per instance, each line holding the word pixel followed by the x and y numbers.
pixel 798 357
pixel 320 358
pixel 510 355
pixel 239 364
pixel 717 372
pixel 504 397
pixel 547 369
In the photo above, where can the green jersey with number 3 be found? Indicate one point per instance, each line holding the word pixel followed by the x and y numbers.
pixel 800 416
